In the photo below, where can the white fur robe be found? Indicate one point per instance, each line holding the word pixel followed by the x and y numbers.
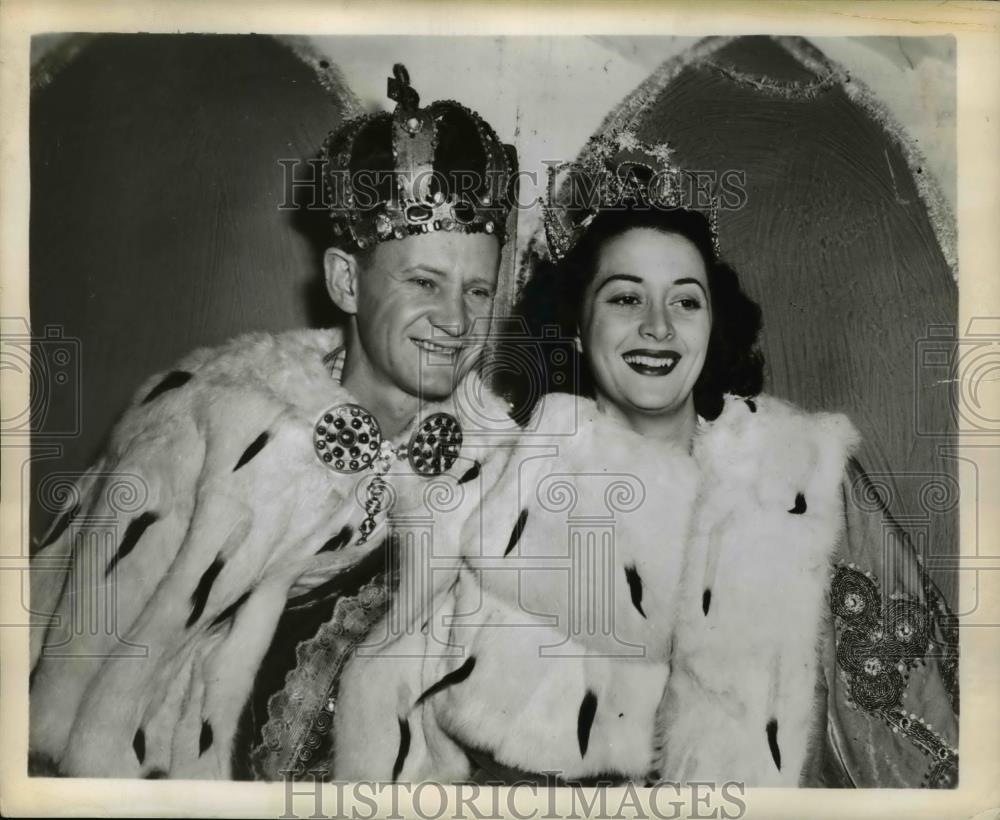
pixel 157 593
pixel 740 699
pixel 616 609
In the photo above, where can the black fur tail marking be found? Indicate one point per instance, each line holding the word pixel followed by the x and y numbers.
pixel 635 587
pixel 139 745
pixel 453 677
pixel 200 595
pixel 206 737
pixel 133 533
pixel 470 474
pixel 772 741
pixel 404 748
pixel 173 380
pixel 255 447
pixel 585 721
pixel 515 534
pixel 341 539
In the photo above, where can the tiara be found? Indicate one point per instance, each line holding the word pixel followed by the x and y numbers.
pixel 425 187
pixel 615 170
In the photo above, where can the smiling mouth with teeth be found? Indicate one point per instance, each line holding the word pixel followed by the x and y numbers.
pixel 652 362
pixel 437 349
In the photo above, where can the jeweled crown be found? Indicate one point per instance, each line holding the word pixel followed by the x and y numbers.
pixel 416 170
pixel 616 170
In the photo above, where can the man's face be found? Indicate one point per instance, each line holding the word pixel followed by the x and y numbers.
pixel 423 306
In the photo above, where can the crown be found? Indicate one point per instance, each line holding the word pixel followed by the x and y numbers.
pixel 416 171
pixel 616 170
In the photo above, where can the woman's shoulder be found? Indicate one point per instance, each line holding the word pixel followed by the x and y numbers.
pixel 587 441
pixel 573 418
pixel 766 422
pixel 767 440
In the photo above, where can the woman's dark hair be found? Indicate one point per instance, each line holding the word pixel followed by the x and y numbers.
pixel 553 299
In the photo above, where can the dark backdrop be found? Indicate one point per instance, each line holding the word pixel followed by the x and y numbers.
pixel 155 222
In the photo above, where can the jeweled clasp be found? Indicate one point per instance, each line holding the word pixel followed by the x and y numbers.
pixel 347 438
pixel 435 444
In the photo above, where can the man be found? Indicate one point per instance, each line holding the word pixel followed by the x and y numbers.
pixel 262 471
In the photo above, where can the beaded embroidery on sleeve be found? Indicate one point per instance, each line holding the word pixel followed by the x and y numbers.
pixel 877 647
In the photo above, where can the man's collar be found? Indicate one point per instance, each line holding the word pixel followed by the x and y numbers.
pixel 334 361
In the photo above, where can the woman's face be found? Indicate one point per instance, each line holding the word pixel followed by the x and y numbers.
pixel 646 320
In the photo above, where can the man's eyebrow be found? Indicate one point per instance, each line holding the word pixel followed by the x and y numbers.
pixel 425 269
pixel 626 277
pixel 444 274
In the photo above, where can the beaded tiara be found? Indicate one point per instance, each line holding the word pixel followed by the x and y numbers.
pixel 416 171
pixel 615 170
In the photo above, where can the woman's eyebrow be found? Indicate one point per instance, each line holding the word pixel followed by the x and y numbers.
pixel 626 277
pixel 688 280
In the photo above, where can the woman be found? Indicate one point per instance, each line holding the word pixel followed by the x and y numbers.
pixel 682 589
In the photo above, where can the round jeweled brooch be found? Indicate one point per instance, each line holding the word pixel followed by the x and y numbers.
pixel 348 439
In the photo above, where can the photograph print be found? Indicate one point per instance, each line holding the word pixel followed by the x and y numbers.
pixel 561 410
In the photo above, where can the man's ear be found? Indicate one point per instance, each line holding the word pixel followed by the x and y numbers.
pixel 341 273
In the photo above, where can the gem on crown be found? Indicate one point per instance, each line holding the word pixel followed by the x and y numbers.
pixel 425 190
